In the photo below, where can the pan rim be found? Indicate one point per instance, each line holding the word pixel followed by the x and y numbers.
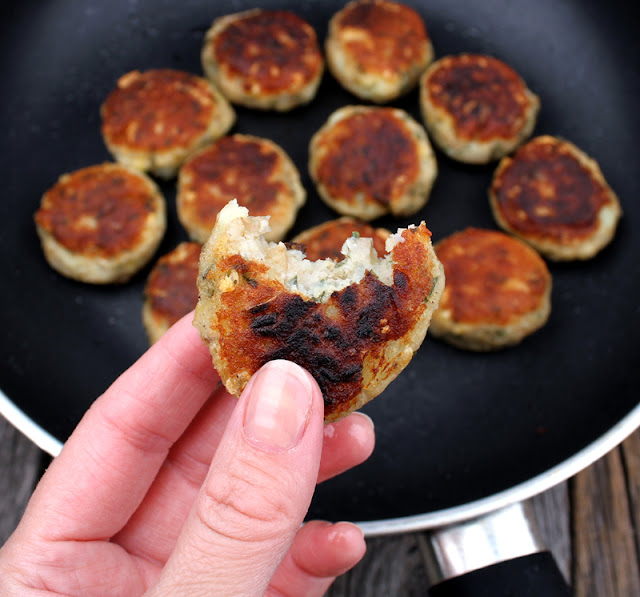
pixel 418 522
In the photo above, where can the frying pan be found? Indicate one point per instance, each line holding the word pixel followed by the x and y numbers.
pixel 458 434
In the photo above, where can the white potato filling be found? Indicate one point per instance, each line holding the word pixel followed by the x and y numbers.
pixel 314 280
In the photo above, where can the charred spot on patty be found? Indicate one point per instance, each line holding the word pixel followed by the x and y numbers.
pixel 329 339
pixel 286 315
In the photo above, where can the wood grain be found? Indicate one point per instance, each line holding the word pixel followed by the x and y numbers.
pixel 631 462
pixel 19 471
pixel 605 555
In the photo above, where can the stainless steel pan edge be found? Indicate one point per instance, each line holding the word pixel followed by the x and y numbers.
pixel 429 520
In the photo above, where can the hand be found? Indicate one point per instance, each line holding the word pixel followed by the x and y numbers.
pixel 171 486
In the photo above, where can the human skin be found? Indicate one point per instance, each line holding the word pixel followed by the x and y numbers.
pixel 169 485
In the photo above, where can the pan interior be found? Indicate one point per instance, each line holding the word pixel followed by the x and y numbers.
pixel 455 427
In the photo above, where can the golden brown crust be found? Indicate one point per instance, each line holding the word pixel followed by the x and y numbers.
pixel 498 290
pixel 254 171
pixel 555 197
pixel 171 291
pixel 484 96
pixel 369 161
pixel 377 49
pixel 264 58
pixel 180 105
pixel 369 151
pixel 153 119
pixel 325 240
pixel 97 211
pixel 476 107
pixel 354 342
pixel 101 224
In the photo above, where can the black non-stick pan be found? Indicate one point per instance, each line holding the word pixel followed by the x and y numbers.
pixel 458 433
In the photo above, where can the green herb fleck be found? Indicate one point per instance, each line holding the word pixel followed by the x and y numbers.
pixel 433 287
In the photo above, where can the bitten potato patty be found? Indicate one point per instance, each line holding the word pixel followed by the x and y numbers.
pixel 354 325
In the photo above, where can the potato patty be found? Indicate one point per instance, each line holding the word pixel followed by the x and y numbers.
pixel 153 120
pixel 353 325
pixel 555 197
pixel 370 161
pixel 255 171
pixel 101 224
pixel 377 49
pixel 325 240
pixel 267 59
pixel 170 291
pixel 476 108
pixel 498 290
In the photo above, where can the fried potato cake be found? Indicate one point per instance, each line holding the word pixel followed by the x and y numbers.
pixel 370 161
pixel 153 120
pixel 255 171
pixel 476 108
pixel 555 197
pixel 377 49
pixel 353 325
pixel 325 240
pixel 265 59
pixel 101 224
pixel 171 290
pixel 498 290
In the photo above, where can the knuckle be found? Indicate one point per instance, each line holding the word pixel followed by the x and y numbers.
pixel 245 503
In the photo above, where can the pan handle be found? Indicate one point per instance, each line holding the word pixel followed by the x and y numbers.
pixel 497 555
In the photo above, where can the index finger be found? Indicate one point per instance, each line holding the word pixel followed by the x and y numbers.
pixel 108 463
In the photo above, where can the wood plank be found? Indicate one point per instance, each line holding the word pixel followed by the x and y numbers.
pixel 552 509
pixel 605 555
pixel 631 461
pixel 20 463
pixel 392 566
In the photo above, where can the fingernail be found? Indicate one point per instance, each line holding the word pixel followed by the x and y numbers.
pixel 279 406
pixel 341 530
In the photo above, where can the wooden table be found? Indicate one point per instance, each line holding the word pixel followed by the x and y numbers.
pixel 591 523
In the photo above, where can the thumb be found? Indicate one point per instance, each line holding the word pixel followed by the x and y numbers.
pixel 257 491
